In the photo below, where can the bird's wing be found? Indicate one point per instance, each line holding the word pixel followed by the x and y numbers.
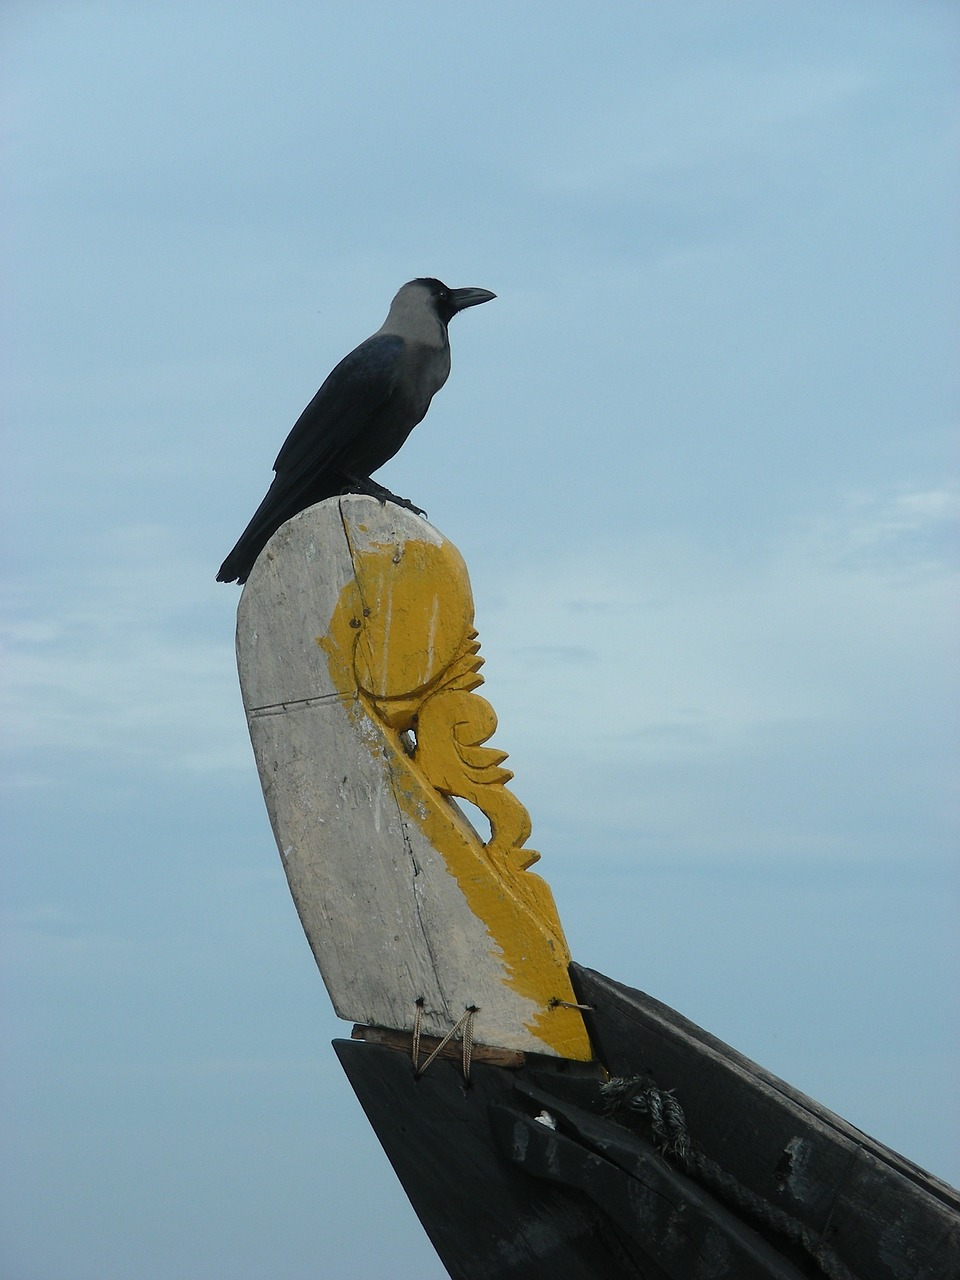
pixel 310 464
pixel 340 410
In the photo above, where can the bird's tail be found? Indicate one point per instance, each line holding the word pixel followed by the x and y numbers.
pixel 267 518
pixel 237 566
pixel 282 502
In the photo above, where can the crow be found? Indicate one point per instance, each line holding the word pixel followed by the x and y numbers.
pixel 361 415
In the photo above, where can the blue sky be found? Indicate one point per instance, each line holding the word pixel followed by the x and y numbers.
pixel 700 457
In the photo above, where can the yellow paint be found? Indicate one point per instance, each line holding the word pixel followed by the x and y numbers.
pixel 402 642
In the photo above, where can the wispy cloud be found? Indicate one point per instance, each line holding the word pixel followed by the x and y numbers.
pixel 135 662
pixel 908 527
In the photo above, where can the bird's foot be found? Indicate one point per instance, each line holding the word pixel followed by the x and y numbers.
pixel 405 502
pixel 374 490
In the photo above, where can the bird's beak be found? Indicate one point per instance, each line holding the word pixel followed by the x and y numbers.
pixel 460 299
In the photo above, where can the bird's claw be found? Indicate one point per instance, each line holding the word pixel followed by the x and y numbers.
pixel 383 495
pixel 405 502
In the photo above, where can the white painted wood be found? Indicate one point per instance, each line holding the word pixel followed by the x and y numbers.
pixel 386 919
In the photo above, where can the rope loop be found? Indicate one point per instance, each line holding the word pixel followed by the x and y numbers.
pixel 465 1021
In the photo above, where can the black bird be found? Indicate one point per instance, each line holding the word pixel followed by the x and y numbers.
pixel 361 415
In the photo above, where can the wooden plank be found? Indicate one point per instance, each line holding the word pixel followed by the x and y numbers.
pixel 358 664
pixel 452 1050
pixel 883 1217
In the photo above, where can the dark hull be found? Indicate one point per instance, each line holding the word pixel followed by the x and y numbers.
pixel 765 1183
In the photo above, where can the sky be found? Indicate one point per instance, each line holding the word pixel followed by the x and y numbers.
pixel 699 455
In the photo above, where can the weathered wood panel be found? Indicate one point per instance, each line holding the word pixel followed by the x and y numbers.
pixel 358 661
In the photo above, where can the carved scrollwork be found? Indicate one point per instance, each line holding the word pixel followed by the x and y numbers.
pixel 405 639
pixel 451 726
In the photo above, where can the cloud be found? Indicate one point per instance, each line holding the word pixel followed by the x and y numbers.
pixel 126 664
pixel 911 527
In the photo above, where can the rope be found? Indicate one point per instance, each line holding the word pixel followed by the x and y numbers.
pixel 468 1042
pixel 417 1023
pixel 669 1125
pixel 465 1021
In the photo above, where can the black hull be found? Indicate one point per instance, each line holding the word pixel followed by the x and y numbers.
pixel 772 1186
